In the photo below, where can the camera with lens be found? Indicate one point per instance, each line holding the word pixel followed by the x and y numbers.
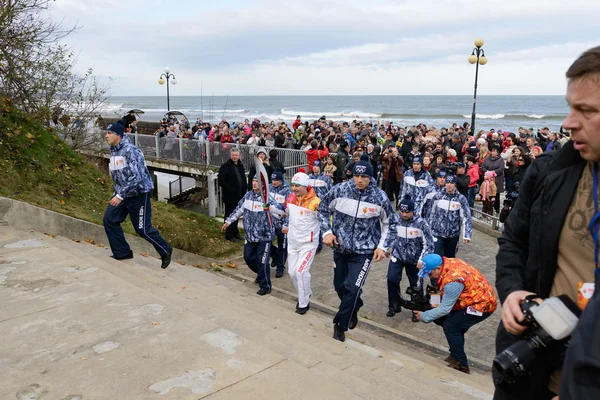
pixel 418 301
pixel 549 328
pixel 451 168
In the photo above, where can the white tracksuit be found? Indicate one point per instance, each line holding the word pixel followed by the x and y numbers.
pixel 303 239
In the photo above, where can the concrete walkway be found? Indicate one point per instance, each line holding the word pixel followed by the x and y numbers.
pixel 481 253
pixel 77 325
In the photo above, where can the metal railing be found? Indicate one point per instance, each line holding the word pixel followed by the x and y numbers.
pixel 181 185
pixel 211 153
pixel 493 222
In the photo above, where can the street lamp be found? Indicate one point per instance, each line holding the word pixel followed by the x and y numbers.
pixel 477 57
pixel 161 81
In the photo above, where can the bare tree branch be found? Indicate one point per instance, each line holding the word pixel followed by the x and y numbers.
pixel 36 71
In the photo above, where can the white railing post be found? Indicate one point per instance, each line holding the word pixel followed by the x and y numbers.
pixel 212 196
pixel 157 140
pixel 137 139
pixel 207 143
pixel 181 149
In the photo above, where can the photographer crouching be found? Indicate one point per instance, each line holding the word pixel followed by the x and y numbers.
pixel 467 298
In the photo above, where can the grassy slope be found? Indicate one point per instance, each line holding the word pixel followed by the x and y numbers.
pixel 40 169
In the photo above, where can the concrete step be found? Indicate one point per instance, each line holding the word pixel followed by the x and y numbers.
pixel 283 324
pixel 281 343
pixel 408 362
pixel 227 287
pixel 106 346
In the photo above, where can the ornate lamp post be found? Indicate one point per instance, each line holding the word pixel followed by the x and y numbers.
pixel 161 81
pixel 477 57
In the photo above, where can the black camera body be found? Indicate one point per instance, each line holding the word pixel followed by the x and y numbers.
pixel 418 301
pixel 451 168
pixel 539 345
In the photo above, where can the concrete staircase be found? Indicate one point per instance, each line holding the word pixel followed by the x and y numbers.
pixel 77 324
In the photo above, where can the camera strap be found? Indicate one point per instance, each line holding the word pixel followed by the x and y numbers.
pixel 594 226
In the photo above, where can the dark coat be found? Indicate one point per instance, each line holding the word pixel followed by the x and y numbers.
pixel 276 164
pixel 252 172
pixel 528 253
pixel 341 160
pixel 232 192
pixel 462 184
pixel 497 165
pixel 581 369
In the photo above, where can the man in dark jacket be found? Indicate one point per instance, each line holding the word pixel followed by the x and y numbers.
pixel 275 163
pixel 341 160
pixel 462 180
pixel 232 179
pixel 406 145
pixel 547 248
pixel 457 145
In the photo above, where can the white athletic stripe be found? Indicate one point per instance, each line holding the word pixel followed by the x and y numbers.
pixel 364 278
pixel 409 233
pixel 253 206
pixel 360 209
pixel 317 183
pixel 448 205
pixel 145 234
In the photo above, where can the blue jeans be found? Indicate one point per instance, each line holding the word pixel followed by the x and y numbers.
pixel 349 276
pixel 256 256
pixel 455 325
pixel 139 210
pixel 471 198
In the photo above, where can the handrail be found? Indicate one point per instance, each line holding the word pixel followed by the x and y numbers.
pixel 492 221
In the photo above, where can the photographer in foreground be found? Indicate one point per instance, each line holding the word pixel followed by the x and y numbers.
pixel 467 298
pixel 547 248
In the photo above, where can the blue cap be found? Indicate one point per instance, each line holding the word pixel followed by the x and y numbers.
pixel 363 167
pixel 451 179
pixel 117 128
pixel 430 262
pixel 317 164
pixel 407 205
pixel 418 159
pixel 442 173
pixel 460 165
pixel 277 175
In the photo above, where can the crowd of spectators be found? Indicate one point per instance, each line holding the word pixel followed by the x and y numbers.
pixel 391 149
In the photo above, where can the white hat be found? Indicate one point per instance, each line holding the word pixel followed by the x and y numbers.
pixel 300 179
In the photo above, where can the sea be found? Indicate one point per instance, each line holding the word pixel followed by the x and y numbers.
pixel 498 112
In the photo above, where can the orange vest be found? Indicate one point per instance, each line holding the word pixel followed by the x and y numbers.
pixel 478 293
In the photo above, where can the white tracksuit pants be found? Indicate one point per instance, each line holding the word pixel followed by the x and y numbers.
pixel 299 262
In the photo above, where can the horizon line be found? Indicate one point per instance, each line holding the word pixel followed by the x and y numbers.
pixel 336 95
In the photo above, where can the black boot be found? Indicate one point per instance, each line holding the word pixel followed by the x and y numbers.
pixel 338 333
pixel 166 259
pixel 353 320
pixel 263 291
pixel 302 310
pixel 127 257
pixel 393 312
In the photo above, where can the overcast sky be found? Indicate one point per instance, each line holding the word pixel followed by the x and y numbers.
pixel 302 47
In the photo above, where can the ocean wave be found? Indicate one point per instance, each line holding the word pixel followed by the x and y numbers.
pixel 486 116
pixel 329 114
